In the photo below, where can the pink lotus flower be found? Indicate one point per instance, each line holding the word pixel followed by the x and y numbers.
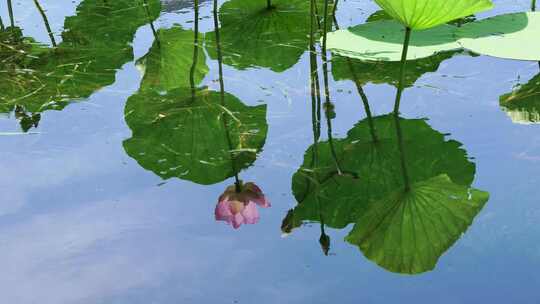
pixel 239 208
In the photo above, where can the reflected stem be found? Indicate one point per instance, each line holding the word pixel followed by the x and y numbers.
pixel 401 147
pixel 402 70
pixel 1 24
pixel 325 26
pixel 361 92
pixel 10 11
pixel 315 13
pixel 148 15
pixel 237 183
pixel 46 21
pixel 314 80
pixel 327 102
pixel 396 108
pixel 365 102
pixel 195 51
pixel 334 9
pixel 315 109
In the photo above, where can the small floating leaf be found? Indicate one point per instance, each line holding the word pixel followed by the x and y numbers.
pixel 511 36
pixel 383 41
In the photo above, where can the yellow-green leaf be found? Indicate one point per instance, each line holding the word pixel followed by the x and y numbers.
pixel 424 14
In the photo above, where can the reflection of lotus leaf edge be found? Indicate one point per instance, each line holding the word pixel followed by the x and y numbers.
pixel 440 173
pixel 96 42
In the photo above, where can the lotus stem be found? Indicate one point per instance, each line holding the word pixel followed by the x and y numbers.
pixel 325 27
pixel 1 24
pixel 195 51
pixel 218 52
pixel 396 109
pixel 314 76
pixel 46 21
pixel 315 101
pixel 237 182
pixel 10 10
pixel 314 79
pixel 533 6
pixel 315 13
pixel 402 70
pixel 401 147
pixel 327 102
pixel 367 108
pixel 269 4
pixel 334 9
pixel 360 91
pixel 148 15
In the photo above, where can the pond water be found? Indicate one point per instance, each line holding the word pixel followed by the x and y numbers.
pixel 117 144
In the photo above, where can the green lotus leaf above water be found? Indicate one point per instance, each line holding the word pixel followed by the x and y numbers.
pixel 96 42
pixel 511 36
pixel 253 36
pixel 424 14
pixel 340 199
pixel 407 232
pixel 383 41
pixel 523 104
pixel 184 131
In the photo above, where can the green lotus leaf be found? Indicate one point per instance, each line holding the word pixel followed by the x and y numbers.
pixel 371 170
pixel 407 232
pixel 509 36
pixel 363 72
pixel 167 65
pixel 253 36
pixel 96 42
pixel 181 130
pixel 383 41
pixel 16 49
pixel 425 14
pixel 523 104
pixel 176 135
pixel 378 16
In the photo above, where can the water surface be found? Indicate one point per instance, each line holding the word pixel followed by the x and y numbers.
pixel 116 148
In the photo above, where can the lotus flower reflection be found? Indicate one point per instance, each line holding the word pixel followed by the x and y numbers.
pixel 239 206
